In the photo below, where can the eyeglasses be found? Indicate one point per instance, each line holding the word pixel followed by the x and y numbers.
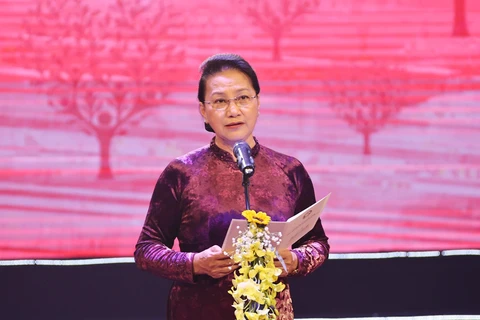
pixel 242 101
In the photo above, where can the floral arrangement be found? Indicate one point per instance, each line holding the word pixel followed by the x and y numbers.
pixel 254 285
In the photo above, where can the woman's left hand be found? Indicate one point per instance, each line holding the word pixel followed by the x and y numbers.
pixel 290 259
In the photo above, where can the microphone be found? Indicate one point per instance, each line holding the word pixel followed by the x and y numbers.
pixel 245 161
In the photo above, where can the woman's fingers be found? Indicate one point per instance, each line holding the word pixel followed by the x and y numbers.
pixel 222 266
pixel 279 266
pixel 222 271
pixel 217 263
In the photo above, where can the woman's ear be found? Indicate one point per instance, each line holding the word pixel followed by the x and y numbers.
pixel 201 109
pixel 203 113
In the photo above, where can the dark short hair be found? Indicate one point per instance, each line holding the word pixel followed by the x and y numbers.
pixel 221 62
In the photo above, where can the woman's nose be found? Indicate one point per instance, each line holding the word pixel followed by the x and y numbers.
pixel 232 108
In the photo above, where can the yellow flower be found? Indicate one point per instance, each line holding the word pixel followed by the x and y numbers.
pixel 269 274
pixel 258 249
pixel 257 315
pixel 251 290
pixel 278 287
pixel 248 214
pixel 239 278
pixel 239 306
pixel 248 255
pixel 252 316
pixel 257 269
pixel 239 313
pixel 256 217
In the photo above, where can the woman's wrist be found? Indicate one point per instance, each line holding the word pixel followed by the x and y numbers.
pixel 295 263
pixel 195 264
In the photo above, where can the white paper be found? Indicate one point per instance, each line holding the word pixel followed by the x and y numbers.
pixel 292 229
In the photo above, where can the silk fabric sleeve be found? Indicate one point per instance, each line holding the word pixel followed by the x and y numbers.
pixel 153 251
pixel 313 248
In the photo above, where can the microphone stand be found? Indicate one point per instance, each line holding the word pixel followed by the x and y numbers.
pixel 245 184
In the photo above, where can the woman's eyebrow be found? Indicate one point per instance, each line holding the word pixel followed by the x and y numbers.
pixel 224 94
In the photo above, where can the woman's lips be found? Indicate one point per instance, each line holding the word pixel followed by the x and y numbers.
pixel 234 125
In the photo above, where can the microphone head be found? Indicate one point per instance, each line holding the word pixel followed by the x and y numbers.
pixel 245 162
pixel 238 145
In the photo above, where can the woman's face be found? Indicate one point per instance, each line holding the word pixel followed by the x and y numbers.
pixel 233 123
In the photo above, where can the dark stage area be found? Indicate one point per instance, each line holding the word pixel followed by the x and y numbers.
pixel 341 288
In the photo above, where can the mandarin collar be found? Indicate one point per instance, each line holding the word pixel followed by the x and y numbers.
pixel 225 156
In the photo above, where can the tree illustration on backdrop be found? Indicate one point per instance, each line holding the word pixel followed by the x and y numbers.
pixel 460 19
pixel 104 69
pixel 368 98
pixel 275 17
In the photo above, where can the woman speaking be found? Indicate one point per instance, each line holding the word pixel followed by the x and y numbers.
pixel 198 194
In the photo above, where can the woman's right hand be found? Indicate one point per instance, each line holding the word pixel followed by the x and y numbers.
pixel 213 262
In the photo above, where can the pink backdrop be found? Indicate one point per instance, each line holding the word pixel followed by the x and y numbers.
pixel 380 99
